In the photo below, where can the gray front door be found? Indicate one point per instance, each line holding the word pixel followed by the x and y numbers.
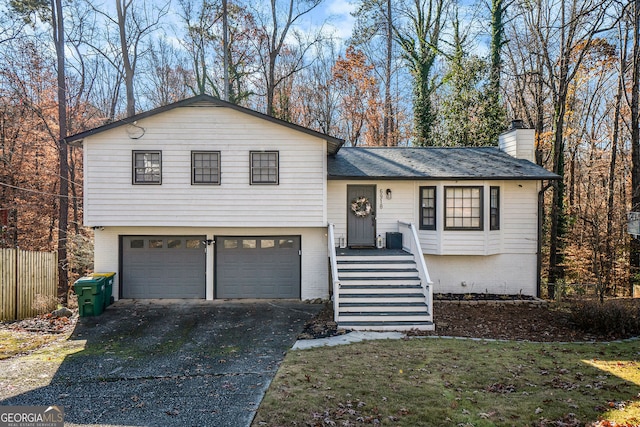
pixel 163 267
pixel 257 266
pixel 361 225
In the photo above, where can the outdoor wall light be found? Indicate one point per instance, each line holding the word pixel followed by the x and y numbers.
pixel 389 194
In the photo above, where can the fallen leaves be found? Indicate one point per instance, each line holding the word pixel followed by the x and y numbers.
pixel 354 412
pixel 45 323
pixel 501 388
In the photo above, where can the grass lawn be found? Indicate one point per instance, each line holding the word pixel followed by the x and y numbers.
pixel 446 382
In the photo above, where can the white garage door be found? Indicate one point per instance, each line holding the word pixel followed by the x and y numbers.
pixel 163 266
pixel 258 267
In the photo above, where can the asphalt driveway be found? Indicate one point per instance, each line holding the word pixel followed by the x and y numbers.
pixel 172 363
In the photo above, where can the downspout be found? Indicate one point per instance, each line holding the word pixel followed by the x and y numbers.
pixel 540 226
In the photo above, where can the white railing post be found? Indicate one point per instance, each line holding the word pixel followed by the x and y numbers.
pixel 334 270
pixel 416 250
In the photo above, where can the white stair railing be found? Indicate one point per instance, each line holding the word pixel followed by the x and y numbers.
pixel 333 262
pixel 410 236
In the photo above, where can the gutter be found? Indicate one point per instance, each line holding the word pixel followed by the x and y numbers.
pixel 435 178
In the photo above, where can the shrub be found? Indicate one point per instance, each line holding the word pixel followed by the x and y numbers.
pixel 44 303
pixel 614 318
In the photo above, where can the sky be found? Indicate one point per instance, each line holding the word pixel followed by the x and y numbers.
pixel 337 15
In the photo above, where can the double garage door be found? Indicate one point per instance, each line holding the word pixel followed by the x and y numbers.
pixel 245 267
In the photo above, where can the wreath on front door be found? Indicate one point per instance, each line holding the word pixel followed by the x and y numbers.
pixel 361 207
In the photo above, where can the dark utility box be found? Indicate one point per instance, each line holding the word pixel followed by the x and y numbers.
pixel 394 240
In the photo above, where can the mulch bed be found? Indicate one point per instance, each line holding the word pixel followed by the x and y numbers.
pixel 502 318
pixel 539 322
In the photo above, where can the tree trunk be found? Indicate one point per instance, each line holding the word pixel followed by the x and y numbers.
pixel 225 48
pixel 495 112
pixel 497 35
pixel 558 220
pixel 388 117
pixel 609 249
pixel 63 202
pixel 126 60
pixel 419 41
pixel 634 254
pixel 271 79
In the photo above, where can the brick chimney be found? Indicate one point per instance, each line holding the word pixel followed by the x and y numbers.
pixel 518 141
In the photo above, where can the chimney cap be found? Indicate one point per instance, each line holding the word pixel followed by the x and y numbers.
pixel 517 124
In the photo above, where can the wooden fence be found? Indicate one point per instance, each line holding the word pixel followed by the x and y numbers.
pixel 28 283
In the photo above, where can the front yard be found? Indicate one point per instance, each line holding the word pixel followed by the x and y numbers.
pixel 453 382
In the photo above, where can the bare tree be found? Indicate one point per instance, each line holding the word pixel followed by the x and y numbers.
pixel 317 98
pixel 567 30
pixel 57 23
pixel 275 27
pixel 623 37
pixel 373 34
pixel 134 22
pixel 52 12
pixel 220 45
pixel 165 78
pixel 635 136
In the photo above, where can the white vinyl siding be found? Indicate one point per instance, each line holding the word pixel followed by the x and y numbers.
pixel 519 217
pixel 298 200
pixel 517 205
pixel 387 212
pixel 460 261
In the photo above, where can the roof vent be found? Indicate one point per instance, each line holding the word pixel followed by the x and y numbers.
pixel 517 124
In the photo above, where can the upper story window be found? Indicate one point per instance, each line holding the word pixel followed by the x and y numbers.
pixel 463 208
pixel 147 167
pixel 264 167
pixel 205 167
pixel 427 208
pixel 494 208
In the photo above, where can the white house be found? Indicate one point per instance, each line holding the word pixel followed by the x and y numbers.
pixel 206 199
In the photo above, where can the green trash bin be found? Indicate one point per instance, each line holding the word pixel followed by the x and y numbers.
pixel 108 287
pixel 90 292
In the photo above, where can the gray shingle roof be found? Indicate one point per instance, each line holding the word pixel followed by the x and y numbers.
pixel 459 163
